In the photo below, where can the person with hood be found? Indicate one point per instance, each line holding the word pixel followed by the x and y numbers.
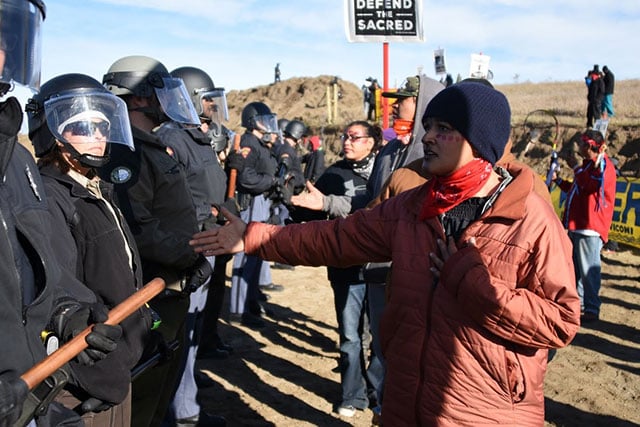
pixel 482 278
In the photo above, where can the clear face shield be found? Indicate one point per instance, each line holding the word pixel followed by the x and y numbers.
pixel 175 101
pixel 89 117
pixel 214 108
pixel 20 45
pixel 267 123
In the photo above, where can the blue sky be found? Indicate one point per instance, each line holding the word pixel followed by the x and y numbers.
pixel 238 42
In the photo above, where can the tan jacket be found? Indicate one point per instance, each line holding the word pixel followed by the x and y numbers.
pixel 471 349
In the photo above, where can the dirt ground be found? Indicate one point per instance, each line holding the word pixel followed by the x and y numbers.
pixel 284 375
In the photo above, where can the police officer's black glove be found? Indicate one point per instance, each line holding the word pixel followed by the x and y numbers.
pixel 235 161
pixel 93 404
pixel 232 206
pixel 197 275
pixel 283 190
pixel 73 317
pixel 12 395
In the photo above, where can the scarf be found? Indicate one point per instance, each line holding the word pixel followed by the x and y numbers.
pixel 402 127
pixel 445 192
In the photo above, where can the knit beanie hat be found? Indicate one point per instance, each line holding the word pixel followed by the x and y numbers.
pixel 479 112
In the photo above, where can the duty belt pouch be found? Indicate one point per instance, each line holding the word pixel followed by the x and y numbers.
pixel 244 201
pixel 41 396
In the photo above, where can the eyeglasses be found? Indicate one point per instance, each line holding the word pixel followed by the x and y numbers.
pixel 353 138
pixel 87 128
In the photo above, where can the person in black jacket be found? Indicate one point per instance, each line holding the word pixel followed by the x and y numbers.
pixel 33 301
pixel 595 96
pixel 153 193
pixel 255 183
pixel 609 80
pixel 71 121
pixel 344 190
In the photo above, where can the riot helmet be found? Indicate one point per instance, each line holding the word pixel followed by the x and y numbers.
pixel 295 129
pixel 75 105
pixel 20 44
pixel 282 123
pixel 145 77
pixel 256 115
pixel 209 102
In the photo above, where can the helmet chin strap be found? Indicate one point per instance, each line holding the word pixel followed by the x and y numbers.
pixel 88 160
pixel 157 116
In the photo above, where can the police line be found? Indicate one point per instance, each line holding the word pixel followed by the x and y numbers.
pixel 625 227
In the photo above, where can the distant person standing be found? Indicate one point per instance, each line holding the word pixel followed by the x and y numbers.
pixel 595 96
pixel 371 107
pixel 276 78
pixel 609 81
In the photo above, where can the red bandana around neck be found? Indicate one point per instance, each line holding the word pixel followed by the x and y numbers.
pixel 402 126
pixel 445 192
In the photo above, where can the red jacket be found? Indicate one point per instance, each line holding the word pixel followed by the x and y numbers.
pixel 590 198
pixel 471 348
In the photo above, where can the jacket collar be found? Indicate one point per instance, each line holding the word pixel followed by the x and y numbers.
pixel 509 205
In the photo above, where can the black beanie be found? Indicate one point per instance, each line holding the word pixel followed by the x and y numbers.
pixel 479 112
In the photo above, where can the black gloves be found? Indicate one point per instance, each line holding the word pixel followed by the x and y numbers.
pixel 235 161
pixel 197 275
pixel 94 405
pixel 73 317
pixel 282 190
pixel 12 395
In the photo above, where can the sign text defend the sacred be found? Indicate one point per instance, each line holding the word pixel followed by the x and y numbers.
pixel 383 20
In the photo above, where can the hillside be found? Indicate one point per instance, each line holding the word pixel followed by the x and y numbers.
pixel 305 98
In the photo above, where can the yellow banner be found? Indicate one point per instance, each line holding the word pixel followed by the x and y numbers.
pixel 625 227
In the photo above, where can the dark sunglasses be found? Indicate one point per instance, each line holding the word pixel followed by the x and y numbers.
pixel 87 128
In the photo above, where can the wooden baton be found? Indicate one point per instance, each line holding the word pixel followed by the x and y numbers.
pixel 233 173
pixel 47 366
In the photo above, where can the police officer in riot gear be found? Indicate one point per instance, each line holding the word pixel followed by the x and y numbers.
pixel 255 182
pixel 192 149
pixel 154 195
pixel 32 294
pixel 72 123
pixel 210 103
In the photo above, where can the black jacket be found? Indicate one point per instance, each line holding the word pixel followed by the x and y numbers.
pixel 205 176
pixel 153 194
pixel 258 173
pixel 100 261
pixel 340 179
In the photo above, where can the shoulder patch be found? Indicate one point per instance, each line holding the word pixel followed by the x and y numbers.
pixel 245 151
pixel 120 175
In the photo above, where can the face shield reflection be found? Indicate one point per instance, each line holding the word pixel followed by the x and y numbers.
pixel 175 101
pixel 214 106
pixel 20 45
pixel 94 115
pixel 267 123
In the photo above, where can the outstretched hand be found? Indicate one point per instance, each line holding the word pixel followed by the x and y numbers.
pixel 311 199
pixel 227 239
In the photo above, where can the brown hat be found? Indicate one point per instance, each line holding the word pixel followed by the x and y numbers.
pixel 409 88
